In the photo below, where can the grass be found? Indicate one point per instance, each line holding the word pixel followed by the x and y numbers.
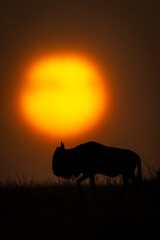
pixel 55 209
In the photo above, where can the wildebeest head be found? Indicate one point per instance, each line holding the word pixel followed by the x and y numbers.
pixel 59 163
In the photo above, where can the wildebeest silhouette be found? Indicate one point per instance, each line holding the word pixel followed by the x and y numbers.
pixel 93 158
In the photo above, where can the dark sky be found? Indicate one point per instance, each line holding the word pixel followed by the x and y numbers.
pixel 123 37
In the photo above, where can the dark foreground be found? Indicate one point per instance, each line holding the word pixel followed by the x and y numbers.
pixel 44 209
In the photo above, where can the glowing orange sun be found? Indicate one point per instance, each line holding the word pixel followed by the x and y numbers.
pixel 63 96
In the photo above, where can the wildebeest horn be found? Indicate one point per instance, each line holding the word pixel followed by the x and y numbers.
pixel 62 144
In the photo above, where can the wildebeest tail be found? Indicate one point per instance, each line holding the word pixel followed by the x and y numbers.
pixel 139 172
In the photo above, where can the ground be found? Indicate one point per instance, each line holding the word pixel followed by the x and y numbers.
pixel 56 209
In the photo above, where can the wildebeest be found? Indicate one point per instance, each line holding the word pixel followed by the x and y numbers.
pixel 93 158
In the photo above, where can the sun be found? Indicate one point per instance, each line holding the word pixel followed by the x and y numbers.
pixel 63 96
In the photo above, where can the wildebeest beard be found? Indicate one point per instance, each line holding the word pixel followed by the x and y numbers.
pixel 66 173
pixel 67 170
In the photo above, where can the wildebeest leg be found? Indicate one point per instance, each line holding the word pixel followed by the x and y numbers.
pixel 82 178
pixel 92 180
pixel 136 182
pixel 125 184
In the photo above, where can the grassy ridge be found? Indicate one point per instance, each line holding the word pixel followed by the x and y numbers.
pixel 56 209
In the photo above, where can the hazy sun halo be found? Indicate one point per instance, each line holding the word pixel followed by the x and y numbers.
pixel 63 96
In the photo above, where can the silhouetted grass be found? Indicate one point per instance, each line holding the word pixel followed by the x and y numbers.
pixel 55 209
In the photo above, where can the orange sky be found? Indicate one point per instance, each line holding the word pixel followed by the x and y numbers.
pixel 121 37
